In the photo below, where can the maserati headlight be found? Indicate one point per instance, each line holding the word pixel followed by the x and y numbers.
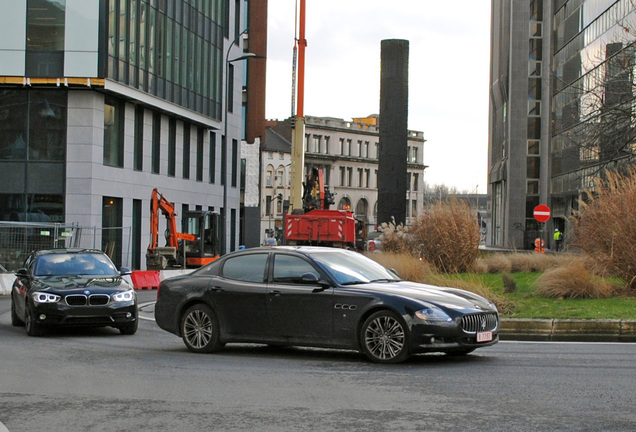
pixel 42 297
pixel 433 315
pixel 124 296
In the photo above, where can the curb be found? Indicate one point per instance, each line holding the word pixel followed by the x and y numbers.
pixel 567 330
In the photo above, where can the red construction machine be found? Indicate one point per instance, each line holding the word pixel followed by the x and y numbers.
pixel 316 224
pixel 311 222
pixel 197 245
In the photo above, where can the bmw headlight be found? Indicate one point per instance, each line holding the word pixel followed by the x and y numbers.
pixel 124 296
pixel 433 315
pixel 42 297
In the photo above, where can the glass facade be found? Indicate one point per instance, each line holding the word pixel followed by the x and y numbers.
pixel 592 98
pixel 169 48
pixel 33 150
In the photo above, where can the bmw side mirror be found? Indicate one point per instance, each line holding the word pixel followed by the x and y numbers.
pixel 21 272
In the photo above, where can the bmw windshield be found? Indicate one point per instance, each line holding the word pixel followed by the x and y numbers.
pixel 59 264
pixel 350 268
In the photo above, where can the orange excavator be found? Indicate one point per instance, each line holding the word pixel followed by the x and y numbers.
pixel 197 245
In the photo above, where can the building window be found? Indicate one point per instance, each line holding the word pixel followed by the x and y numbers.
pixel 112 212
pixel 234 163
pixel 200 143
pixel 268 205
pixel 186 150
pixel 366 149
pixel 269 177
pixel 47 126
pixel 113 133
pixel 230 88
pixel 341 146
pixel 414 155
pixel 360 177
pixel 156 143
pixel 45 30
pixel 172 147
pixel 138 151
pixel 279 179
pixel 416 181
pixel 212 163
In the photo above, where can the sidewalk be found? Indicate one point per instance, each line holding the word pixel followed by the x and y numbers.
pixel 568 330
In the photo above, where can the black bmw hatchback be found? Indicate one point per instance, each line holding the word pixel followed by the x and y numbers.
pixel 322 297
pixel 72 287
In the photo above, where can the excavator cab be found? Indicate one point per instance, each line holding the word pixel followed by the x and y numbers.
pixel 203 226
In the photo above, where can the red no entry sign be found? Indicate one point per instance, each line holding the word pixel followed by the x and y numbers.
pixel 542 213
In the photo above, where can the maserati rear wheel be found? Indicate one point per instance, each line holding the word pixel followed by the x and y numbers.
pixel 200 329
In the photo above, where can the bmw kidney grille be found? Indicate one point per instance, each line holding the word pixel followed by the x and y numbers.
pixel 84 300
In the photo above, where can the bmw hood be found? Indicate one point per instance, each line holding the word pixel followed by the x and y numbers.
pixel 69 283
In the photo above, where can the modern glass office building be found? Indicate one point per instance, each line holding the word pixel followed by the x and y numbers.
pixel 103 100
pixel 561 108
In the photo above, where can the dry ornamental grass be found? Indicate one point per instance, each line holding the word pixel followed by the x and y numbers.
pixel 605 227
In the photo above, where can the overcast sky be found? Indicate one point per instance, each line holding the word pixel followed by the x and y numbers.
pixel 449 58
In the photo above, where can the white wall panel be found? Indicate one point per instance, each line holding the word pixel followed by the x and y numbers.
pixel 81 38
pixel 12 37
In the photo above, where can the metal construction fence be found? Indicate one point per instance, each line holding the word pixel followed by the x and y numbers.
pixel 19 239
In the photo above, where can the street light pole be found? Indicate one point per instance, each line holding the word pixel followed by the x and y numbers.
pixel 224 148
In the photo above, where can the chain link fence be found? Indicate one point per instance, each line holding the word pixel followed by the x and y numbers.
pixel 19 239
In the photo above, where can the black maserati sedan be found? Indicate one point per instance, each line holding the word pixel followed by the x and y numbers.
pixel 321 297
pixel 72 287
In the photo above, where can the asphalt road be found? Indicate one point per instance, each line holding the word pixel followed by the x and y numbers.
pixel 99 380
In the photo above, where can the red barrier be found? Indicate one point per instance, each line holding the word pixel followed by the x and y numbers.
pixel 145 279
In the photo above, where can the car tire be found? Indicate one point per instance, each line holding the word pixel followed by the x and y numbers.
pixel 32 326
pixel 200 329
pixel 384 338
pixel 15 320
pixel 129 329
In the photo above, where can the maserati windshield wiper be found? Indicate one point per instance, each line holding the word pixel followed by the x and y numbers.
pixel 357 282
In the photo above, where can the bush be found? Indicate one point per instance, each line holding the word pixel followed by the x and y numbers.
pixel 509 283
pixel 520 262
pixel 446 236
pixel 605 227
pixel 573 280
pixel 407 266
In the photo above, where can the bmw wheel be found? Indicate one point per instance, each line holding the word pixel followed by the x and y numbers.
pixel 32 326
pixel 384 338
pixel 129 329
pixel 200 329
